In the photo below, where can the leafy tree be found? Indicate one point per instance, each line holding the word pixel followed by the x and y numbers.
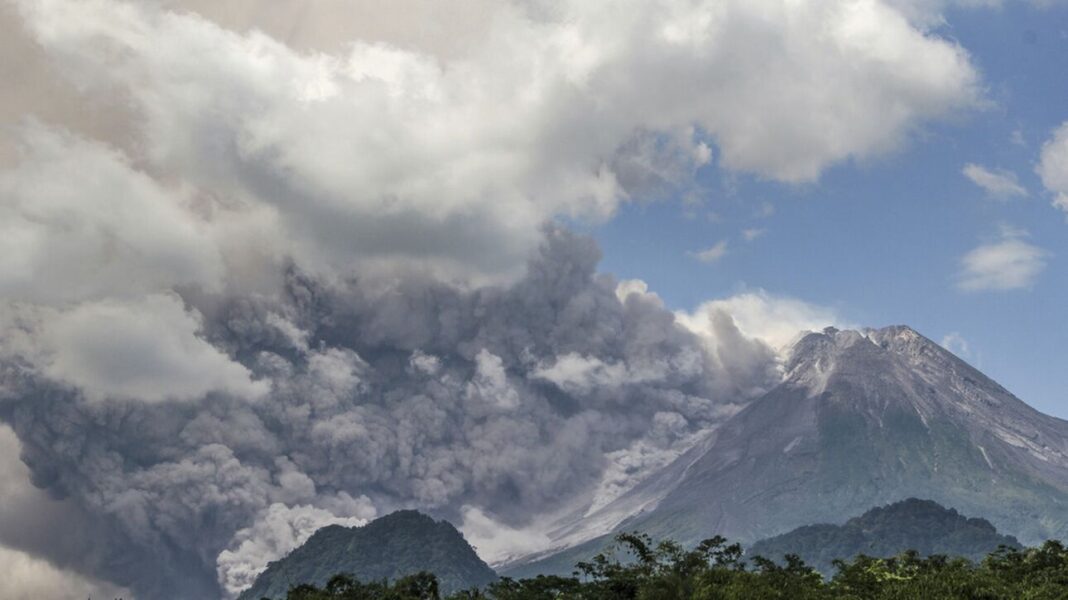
pixel 636 568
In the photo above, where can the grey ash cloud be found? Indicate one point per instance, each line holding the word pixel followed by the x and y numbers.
pixel 381 396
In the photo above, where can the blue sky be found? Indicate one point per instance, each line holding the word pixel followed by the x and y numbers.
pixel 882 241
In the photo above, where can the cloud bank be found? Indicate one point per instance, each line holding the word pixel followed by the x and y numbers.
pixel 773 320
pixel 713 253
pixel 1053 166
pixel 998 184
pixel 1009 263
pixel 383 153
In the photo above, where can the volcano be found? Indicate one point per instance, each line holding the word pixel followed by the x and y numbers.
pixel 862 418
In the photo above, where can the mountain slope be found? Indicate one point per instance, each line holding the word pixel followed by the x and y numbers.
pixel 863 418
pixel 912 524
pixel 390 547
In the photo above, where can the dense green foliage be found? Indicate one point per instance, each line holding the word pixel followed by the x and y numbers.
pixel 920 525
pixel 636 569
pixel 385 549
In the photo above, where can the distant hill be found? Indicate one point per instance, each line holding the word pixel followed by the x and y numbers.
pixel 920 525
pixel 390 547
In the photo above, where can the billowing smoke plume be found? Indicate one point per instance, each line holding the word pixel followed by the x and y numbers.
pixel 375 397
pixel 265 287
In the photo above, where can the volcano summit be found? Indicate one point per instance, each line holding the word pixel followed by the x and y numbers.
pixel 861 418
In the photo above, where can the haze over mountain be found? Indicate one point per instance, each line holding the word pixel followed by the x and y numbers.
pixel 388 548
pixel 862 418
pixel 884 531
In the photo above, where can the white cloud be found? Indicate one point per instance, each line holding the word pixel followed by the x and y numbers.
pixel 955 343
pixel 1006 264
pixel 276 533
pixel 751 234
pixel 929 13
pixel 490 387
pixel 148 349
pixel 78 222
pixel 747 336
pixel 329 25
pixel 395 151
pixel 579 374
pixel 774 320
pixel 91 250
pixel 1053 166
pixel 638 287
pixel 998 183
pixel 713 253
pixel 496 542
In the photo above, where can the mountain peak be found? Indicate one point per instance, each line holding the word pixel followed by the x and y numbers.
pixel 903 339
pixel 895 338
pixel 866 417
pixel 895 352
pixel 898 331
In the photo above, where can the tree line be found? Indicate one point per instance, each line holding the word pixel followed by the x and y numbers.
pixel 635 568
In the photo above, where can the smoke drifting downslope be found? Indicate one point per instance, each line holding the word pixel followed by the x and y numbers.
pixel 420 393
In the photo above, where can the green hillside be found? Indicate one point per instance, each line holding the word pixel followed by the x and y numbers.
pixel 920 525
pixel 400 544
pixel 635 568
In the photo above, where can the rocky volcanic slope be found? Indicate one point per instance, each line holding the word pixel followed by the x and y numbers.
pixel 912 524
pixel 399 544
pixel 862 418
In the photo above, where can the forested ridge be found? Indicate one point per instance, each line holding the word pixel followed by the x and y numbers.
pixel 920 525
pixel 636 568
pixel 385 549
